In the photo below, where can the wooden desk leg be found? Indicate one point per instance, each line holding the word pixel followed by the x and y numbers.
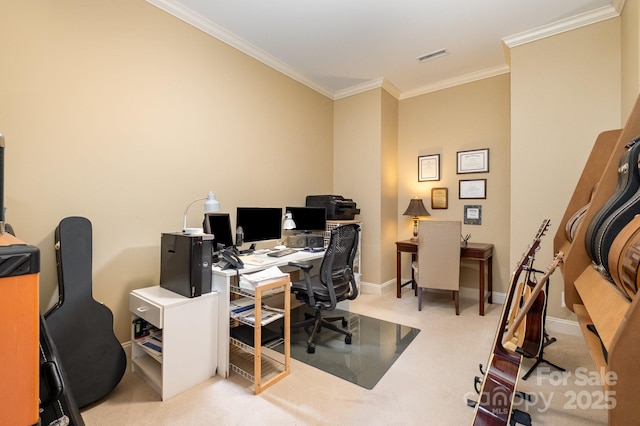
pixel 414 283
pixel 398 279
pixel 490 279
pixel 481 287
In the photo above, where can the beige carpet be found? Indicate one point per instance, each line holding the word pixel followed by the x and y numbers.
pixel 428 385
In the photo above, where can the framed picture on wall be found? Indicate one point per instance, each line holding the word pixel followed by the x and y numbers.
pixel 472 189
pixel 475 161
pixel 439 198
pixel 428 167
pixel 473 215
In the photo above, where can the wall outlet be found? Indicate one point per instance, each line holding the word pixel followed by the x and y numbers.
pixel 564 305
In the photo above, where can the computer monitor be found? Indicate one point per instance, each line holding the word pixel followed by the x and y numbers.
pixel 218 224
pixel 309 219
pixel 259 223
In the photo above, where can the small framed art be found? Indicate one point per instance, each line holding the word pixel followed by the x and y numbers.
pixel 473 215
pixel 475 161
pixel 472 189
pixel 428 167
pixel 439 198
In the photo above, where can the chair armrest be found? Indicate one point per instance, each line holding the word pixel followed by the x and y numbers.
pixel 305 266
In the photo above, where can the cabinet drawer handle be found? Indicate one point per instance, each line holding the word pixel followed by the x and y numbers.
pixel 142 309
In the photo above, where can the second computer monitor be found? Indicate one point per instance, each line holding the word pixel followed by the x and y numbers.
pixel 309 219
pixel 218 224
pixel 259 223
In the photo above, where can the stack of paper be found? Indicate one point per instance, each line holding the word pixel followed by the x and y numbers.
pixel 250 281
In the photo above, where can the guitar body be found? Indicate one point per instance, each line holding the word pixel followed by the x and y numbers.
pixel 534 328
pixel 82 329
pixel 627 186
pixel 624 258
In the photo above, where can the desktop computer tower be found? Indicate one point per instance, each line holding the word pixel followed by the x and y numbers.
pixel 185 263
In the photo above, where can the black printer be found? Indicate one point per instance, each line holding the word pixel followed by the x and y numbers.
pixel 338 207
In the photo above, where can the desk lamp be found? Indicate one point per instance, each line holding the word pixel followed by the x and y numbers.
pixel 289 224
pixel 210 206
pixel 416 208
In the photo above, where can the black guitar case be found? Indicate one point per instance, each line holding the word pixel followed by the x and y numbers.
pixel 610 228
pixel 627 186
pixel 57 405
pixel 82 328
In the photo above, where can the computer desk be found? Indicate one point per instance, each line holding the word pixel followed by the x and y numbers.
pixel 221 281
pixel 482 252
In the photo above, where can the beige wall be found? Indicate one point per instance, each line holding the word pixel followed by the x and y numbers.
pixel 357 162
pixel 630 55
pixel 121 113
pixel 565 90
pixel 389 188
pixel 466 117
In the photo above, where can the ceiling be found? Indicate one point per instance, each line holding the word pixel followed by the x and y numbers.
pixel 342 47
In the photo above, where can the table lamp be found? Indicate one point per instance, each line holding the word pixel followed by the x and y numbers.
pixel 416 208
pixel 210 206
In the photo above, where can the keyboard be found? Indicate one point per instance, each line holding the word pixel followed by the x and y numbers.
pixel 280 253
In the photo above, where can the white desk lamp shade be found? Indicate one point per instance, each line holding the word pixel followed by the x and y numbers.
pixel 288 221
pixel 210 206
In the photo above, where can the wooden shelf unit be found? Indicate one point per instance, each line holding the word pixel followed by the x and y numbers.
pixel 592 297
pixel 260 364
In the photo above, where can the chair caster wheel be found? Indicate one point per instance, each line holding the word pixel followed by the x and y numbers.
pixel 344 322
pixel 347 340
pixel 311 349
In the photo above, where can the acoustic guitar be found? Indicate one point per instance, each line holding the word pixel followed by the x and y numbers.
pixel 624 258
pixel 500 380
pixel 80 327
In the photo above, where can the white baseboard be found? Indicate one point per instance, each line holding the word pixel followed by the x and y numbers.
pixel 553 324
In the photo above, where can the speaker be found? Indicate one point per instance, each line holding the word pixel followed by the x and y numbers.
pixel 297 241
pixel 315 241
pixel 185 263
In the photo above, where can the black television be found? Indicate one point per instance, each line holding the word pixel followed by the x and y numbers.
pixel 218 224
pixel 259 223
pixel 309 219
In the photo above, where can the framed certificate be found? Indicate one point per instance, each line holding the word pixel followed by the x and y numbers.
pixel 472 189
pixel 473 215
pixel 476 161
pixel 428 167
pixel 439 198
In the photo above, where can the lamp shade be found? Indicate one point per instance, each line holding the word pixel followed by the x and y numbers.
pixel 210 206
pixel 416 208
pixel 288 221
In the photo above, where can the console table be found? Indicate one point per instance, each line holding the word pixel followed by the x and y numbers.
pixel 481 252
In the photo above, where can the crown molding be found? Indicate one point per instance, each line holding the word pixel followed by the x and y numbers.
pixel 376 83
pixel 192 18
pixel 564 25
pixel 456 81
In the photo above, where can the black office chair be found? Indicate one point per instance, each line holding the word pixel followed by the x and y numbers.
pixel 333 284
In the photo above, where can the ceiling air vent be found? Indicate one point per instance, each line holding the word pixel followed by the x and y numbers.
pixel 432 55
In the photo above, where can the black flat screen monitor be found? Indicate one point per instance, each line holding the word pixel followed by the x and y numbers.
pixel 309 219
pixel 259 223
pixel 218 224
